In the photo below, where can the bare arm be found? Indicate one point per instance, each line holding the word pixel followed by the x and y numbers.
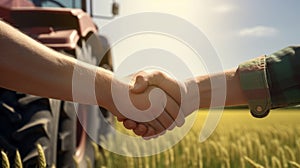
pixel 234 95
pixel 30 67
pixel 200 86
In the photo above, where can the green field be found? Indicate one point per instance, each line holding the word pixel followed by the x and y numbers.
pixel 239 141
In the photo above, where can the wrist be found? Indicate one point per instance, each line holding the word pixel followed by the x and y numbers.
pixel 109 91
pixel 103 83
pixel 199 91
pixel 191 98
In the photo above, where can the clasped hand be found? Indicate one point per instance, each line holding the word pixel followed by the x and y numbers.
pixel 172 114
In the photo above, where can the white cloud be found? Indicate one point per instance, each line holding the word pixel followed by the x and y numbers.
pixel 224 8
pixel 259 31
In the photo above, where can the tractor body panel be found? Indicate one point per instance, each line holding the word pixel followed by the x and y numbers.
pixel 58 28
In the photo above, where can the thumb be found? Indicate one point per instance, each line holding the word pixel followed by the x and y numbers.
pixel 140 84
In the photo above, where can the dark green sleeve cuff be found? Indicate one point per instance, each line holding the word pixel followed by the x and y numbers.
pixel 253 80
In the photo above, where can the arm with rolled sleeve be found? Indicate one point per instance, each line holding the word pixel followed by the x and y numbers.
pixel 271 81
pixel 264 83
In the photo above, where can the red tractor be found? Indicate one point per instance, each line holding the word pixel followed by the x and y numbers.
pixel 27 120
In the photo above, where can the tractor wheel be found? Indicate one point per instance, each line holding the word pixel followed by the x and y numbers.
pixel 74 146
pixel 25 121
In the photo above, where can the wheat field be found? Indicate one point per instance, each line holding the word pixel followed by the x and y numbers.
pixel 240 141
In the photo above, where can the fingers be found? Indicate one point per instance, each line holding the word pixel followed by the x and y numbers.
pixel 121 119
pixel 150 134
pixel 140 130
pixel 150 129
pixel 166 83
pixel 140 84
pixel 170 117
pixel 173 110
pixel 161 80
pixel 157 126
pixel 129 124
pixel 165 119
pixel 144 129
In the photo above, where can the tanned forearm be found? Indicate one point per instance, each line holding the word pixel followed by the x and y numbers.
pixel 228 80
pixel 30 67
pixel 37 66
pixel 234 94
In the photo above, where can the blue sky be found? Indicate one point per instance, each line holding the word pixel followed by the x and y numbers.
pixel 238 30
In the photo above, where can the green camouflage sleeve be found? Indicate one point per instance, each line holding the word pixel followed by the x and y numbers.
pixel 283 72
pixel 271 81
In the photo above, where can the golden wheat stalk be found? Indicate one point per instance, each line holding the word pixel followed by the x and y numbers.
pixel 88 162
pixel 18 160
pixel 5 161
pixel 99 158
pixel 252 162
pixel 41 157
pixel 294 164
pixel 276 162
pixel 76 162
pixel 266 161
pixel 290 153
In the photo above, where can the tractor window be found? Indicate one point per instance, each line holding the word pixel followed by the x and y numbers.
pixel 58 3
pixel 107 9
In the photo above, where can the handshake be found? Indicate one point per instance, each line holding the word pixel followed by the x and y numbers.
pixel 155 103
pixel 151 105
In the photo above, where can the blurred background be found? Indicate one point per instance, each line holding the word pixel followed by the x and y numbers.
pixel 238 30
